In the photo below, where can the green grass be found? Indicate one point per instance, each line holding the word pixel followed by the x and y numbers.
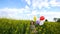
pixel 10 26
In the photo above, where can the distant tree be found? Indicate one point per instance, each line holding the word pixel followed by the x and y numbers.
pixel 58 20
pixel 46 20
pixel 55 19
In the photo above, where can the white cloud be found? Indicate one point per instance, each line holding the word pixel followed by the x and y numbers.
pixel 43 3
pixel 19 13
pixel 34 12
pixel 28 2
pixel 39 3
pixel 50 15
pixel 26 7
pixel 54 3
pixel 15 13
pixel 25 13
pixel 12 10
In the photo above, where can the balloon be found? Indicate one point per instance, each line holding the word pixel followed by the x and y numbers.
pixel 37 22
pixel 42 18
pixel 34 18
pixel 41 23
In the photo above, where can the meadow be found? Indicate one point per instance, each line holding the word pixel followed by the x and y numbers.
pixel 11 26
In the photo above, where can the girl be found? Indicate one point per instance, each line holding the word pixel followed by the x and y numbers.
pixel 32 27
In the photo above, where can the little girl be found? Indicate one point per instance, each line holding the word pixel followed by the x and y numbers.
pixel 32 27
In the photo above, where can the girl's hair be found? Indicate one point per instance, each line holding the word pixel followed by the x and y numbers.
pixel 31 22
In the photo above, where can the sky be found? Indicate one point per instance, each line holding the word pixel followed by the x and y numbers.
pixel 27 9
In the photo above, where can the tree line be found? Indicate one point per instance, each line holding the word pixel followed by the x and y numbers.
pixel 55 19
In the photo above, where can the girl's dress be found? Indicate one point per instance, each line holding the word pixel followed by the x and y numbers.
pixel 32 28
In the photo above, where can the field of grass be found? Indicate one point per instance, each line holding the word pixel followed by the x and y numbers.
pixel 10 26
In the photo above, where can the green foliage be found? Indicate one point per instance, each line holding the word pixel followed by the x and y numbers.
pixel 9 26
pixel 55 19
pixel 58 20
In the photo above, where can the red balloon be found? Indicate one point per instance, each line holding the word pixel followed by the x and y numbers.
pixel 42 18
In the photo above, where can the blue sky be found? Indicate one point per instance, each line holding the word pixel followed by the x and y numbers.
pixel 27 9
pixel 12 3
